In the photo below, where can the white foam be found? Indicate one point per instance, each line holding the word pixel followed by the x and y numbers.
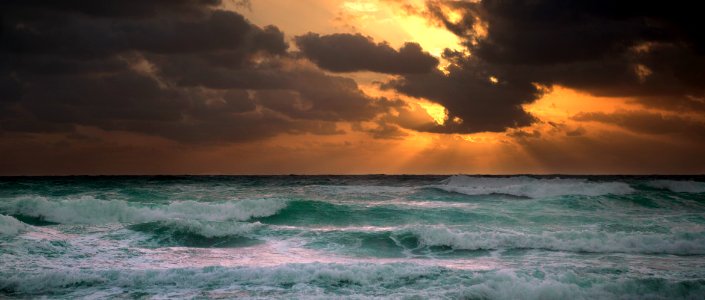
pixel 339 229
pixel 531 187
pixel 577 241
pixel 356 281
pixel 10 226
pixel 679 186
pixel 88 210
pixel 179 280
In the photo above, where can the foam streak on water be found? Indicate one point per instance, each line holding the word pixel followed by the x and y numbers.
pixel 358 237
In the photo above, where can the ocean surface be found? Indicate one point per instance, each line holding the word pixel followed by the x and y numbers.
pixel 353 237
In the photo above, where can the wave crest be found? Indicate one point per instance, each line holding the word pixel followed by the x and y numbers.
pixel 524 186
pixel 191 233
pixel 10 226
pixel 211 229
pixel 88 210
pixel 679 186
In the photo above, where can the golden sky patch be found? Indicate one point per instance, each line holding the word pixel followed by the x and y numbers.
pixel 383 20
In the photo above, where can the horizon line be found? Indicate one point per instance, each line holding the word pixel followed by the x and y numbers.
pixel 349 174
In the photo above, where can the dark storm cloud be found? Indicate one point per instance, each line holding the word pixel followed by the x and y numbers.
pixel 108 8
pixel 595 45
pixel 341 100
pixel 82 37
pixel 651 51
pixel 182 70
pixel 555 31
pixel 474 102
pixel 355 52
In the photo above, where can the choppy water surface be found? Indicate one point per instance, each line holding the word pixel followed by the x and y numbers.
pixel 457 237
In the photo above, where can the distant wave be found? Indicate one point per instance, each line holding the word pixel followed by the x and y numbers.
pixel 358 281
pixel 524 186
pixel 574 241
pixel 376 190
pixel 88 210
pixel 10 226
pixel 679 186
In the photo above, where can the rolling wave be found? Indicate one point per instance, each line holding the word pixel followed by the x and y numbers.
pixel 191 233
pixel 457 237
pixel 203 228
pixel 679 186
pixel 686 243
pixel 88 210
pixel 417 238
pixel 524 186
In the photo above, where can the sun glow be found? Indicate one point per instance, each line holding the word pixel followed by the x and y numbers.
pixel 560 103
pixel 451 15
pixel 436 111
pixel 400 22
pixel 360 6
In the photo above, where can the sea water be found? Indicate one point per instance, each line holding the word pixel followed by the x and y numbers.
pixel 353 237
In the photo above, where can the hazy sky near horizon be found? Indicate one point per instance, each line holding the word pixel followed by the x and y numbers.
pixel 351 86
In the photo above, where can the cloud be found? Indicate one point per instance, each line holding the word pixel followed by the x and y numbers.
pixel 183 70
pixel 474 102
pixel 109 8
pixel 652 53
pixel 355 52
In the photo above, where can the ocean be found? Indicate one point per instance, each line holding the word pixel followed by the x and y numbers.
pixel 352 237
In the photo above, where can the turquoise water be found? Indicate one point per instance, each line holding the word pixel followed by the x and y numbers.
pixel 357 237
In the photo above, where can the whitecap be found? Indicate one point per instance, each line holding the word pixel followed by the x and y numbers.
pixel 10 226
pixel 356 281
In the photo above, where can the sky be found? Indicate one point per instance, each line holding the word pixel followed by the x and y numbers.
pixel 351 87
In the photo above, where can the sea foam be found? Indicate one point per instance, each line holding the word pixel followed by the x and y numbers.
pixel 358 281
pixel 524 186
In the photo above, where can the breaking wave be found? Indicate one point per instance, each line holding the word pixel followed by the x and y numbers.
pixel 686 243
pixel 190 233
pixel 524 186
pixel 10 226
pixel 203 228
pixel 359 237
pixel 88 210
pixel 678 186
